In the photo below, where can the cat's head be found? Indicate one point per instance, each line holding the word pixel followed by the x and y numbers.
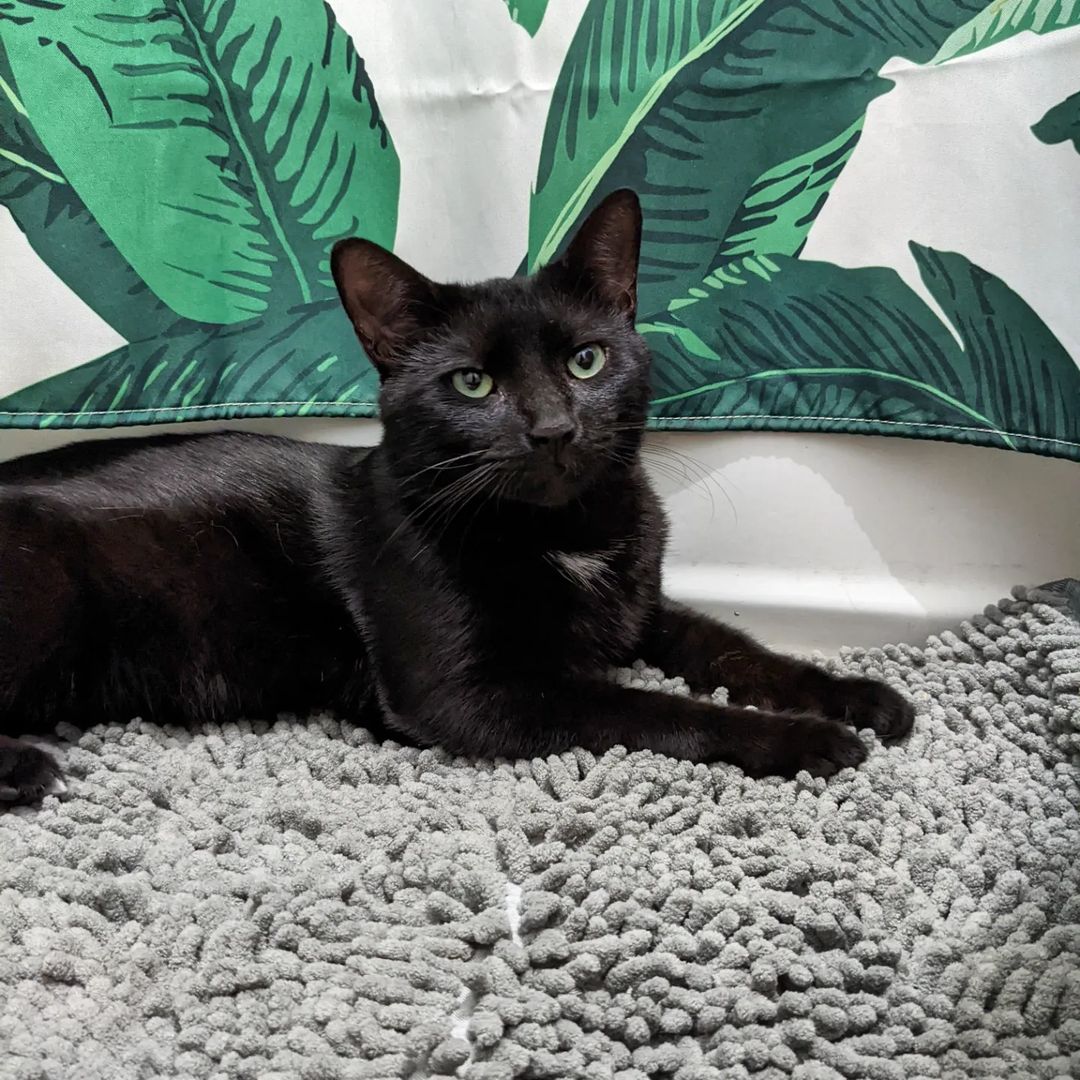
pixel 536 387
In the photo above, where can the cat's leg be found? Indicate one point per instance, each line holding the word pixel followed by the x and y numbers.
pixel 526 720
pixel 37 598
pixel 708 654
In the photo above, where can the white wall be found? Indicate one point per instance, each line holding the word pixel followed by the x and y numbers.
pixel 814 541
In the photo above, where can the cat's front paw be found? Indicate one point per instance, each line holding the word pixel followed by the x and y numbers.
pixel 867 703
pixel 789 744
pixel 823 748
pixel 27 773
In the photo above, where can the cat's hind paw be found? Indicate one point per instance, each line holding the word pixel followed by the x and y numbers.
pixel 822 748
pixel 27 773
pixel 785 744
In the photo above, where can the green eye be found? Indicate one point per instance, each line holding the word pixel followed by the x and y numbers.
pixel 587 362
pixel 472 383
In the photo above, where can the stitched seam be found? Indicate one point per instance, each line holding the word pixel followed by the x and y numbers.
pixel 192 408
pixel 865 420
pixel 721 416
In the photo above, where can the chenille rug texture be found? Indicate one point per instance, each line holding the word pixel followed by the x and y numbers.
pixel 291 900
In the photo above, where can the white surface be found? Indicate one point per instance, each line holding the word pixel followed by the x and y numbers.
pixel 814 541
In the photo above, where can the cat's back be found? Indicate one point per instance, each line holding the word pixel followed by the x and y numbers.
pixel 203 515
pixel 171 577
pixel 177 473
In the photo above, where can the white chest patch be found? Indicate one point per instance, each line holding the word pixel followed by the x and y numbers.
pixel 586 569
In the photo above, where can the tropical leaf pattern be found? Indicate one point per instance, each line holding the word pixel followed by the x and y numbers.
pixel 528 14
pixel 1003 19
pixel 276 145
pixel 1061 123
pixel 809 341
pixel 295 363
pixel 775 215
pixel 735 71
pixel 624 55
pixel 256 139
pixel 61 229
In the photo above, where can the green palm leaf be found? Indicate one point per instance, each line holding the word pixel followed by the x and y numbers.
pixel 699 113
pixel 61 231
pixel 623 55
pixel 528 14
pixel 1061 123
pixel 290 363
pixel 1002 19
pixel 824 346
pixel 781 205
pixel 222 146
pixel 1016 371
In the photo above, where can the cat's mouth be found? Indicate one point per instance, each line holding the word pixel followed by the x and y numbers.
pixel 541 478
pixel 549 491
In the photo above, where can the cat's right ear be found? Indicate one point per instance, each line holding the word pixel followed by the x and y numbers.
pixel 383 296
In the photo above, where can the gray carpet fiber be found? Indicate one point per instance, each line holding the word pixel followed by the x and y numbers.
pixel 290 900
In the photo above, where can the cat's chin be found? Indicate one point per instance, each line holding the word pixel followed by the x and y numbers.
pixel 550 493
pixel 548 499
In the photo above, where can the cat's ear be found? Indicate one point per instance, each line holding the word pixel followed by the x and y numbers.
pixel 602 259
pixel 386 299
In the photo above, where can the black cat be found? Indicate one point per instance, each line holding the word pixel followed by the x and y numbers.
pixel 468 583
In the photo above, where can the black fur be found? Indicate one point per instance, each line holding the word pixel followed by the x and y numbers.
pixel 465 584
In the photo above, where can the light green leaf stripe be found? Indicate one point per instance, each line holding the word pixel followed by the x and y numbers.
pixel 11 103
pixel 528 14
pixel 686 337
pixel 12 97
pixel 1003 19
pixel 572 208
pixel 728 275
pixel 23 163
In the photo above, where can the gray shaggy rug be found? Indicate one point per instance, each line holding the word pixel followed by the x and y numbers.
pixel 290 900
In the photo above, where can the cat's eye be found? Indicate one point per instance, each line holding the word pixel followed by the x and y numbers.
pixel 472 383
pixel 587 362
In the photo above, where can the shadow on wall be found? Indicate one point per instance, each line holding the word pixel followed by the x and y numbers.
pixel 813 541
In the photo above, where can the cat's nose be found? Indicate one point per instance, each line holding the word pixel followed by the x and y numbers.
pixel 554 432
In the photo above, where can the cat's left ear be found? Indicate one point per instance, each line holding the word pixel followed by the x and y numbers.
pixel 602 259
